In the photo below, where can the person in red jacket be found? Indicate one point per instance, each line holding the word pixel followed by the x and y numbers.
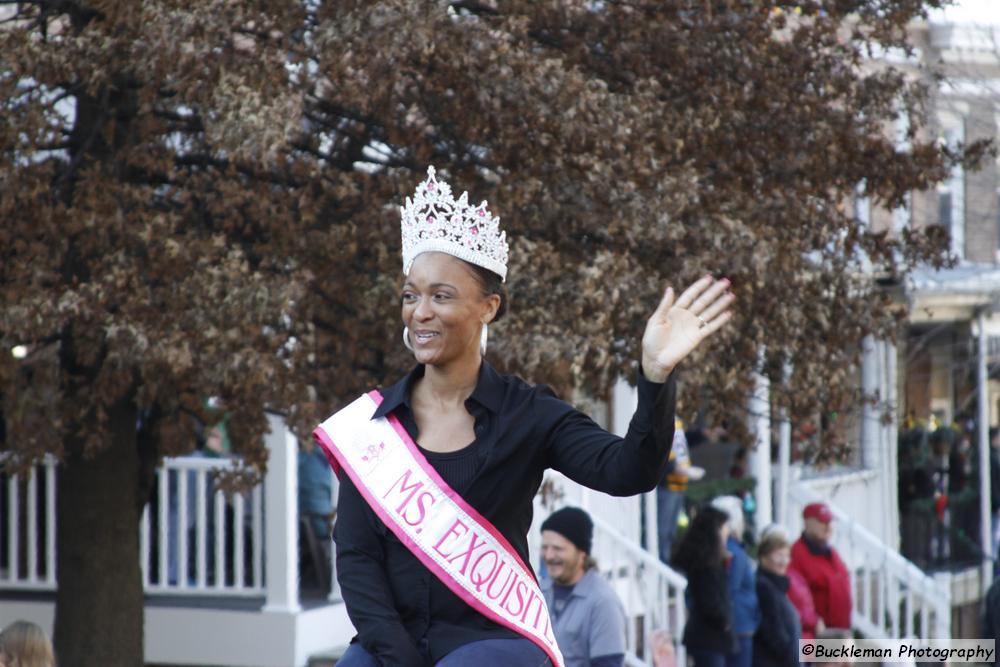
pixel 817 561
pixel 802 599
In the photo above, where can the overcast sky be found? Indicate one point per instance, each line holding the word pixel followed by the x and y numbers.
pixel 984 12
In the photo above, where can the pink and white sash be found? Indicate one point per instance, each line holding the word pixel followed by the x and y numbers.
pixel 456 543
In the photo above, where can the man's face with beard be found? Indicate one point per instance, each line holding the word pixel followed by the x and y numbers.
pixel 563 561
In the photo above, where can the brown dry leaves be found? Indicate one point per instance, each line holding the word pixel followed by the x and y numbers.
pixel 219 217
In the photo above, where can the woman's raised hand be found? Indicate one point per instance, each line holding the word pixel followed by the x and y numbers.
pixel 679 325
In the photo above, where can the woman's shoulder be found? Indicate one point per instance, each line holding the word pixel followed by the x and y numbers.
pixel 512 381
pixel 736 548
pixel 516 389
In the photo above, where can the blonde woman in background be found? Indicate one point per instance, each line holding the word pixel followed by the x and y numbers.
pixel 24 644
pixel 776 642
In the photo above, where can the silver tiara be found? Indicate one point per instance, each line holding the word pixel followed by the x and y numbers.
pixel 435 221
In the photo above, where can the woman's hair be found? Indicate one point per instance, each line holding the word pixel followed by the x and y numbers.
pixel 701 546
pixel 24 644
pixel 773 538
pixel 491 284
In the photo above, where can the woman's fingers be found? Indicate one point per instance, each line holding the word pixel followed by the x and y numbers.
pixel 715 308
pixel 693 292
pixel 716 323
pixel 709 296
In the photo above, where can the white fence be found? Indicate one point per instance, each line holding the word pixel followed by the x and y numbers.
pixel 651 592
pixel 28 530
pixel 893 598
pixel 194 540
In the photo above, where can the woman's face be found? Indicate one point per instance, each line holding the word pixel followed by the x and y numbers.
pixel 444 308
pixel 777 560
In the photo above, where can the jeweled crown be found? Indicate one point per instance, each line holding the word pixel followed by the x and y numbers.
pixel 435 221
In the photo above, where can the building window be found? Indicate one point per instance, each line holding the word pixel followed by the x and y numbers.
pixel 944 206
pixel 951 193
pixel 901 215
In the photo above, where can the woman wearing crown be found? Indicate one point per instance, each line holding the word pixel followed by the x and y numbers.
pixel 438 471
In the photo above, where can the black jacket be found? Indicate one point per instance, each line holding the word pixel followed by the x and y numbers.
pixel 991 616
pixel 710 623
pixel 994 479
pixel 395 603
pixel 776 642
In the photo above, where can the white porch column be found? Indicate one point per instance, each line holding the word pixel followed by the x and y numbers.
pixel 871 388
pixel 784 458
pixel 982 386
pixel 891 449
pixel 759 414
pixel 624 400
pixel 281 518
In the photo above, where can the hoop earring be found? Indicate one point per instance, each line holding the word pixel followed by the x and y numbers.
pixel 406 339
pixel 482 340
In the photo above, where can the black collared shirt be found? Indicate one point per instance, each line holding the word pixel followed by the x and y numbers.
pixel 395 603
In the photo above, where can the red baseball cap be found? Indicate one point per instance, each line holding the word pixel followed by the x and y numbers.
pixel 818 511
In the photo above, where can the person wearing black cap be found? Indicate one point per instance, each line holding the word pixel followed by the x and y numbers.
pixel 588 619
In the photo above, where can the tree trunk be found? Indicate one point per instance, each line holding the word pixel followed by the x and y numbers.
pixel 99 603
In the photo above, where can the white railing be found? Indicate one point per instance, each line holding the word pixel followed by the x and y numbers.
pixel 193 539
pixel 651 592
pixel 28 529
pixel 893 598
